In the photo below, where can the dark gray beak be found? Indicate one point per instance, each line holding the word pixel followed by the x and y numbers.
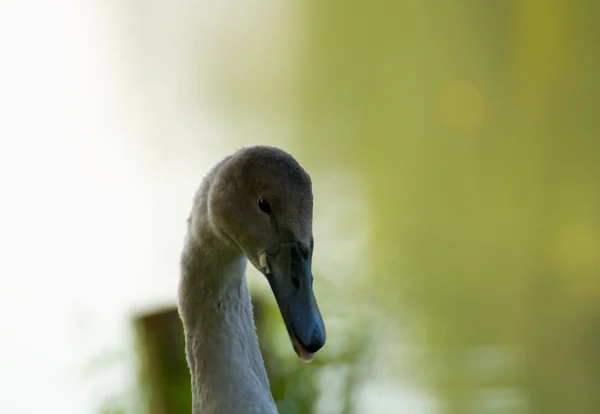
pixel 288 271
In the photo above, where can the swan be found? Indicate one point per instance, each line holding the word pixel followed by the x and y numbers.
pixel 255 205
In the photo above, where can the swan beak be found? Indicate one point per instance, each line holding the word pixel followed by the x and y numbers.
pixel 290 277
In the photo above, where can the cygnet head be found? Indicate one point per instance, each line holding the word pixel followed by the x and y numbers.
pixel 261 202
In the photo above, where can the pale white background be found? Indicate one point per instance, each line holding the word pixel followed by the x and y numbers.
pixel 83 196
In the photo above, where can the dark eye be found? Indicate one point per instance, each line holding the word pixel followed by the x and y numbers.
pixel 264 205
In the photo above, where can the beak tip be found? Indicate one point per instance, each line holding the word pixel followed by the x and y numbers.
pixel 307 358
pixel 305 355
pixel 306 351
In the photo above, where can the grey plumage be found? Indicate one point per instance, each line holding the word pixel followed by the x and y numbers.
pixel 226 227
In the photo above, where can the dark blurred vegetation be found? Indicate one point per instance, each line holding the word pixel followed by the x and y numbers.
pixel 474 128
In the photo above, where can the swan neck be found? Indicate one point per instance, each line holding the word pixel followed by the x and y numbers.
pixel 227 369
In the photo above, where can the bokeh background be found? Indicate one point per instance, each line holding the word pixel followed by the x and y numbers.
pixel 455 154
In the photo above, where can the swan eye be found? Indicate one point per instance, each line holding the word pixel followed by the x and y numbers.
pixel 264 205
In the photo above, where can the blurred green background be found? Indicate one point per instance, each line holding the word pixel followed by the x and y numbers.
pixel 455 153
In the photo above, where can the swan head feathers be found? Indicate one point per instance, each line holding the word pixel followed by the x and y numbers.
pixel 261 202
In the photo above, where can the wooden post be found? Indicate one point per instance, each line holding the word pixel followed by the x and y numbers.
pixel 165 377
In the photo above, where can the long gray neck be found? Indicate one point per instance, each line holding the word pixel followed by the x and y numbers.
pixel 227 369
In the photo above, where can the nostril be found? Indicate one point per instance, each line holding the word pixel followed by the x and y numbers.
pixel 295 281
pixel 304 251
